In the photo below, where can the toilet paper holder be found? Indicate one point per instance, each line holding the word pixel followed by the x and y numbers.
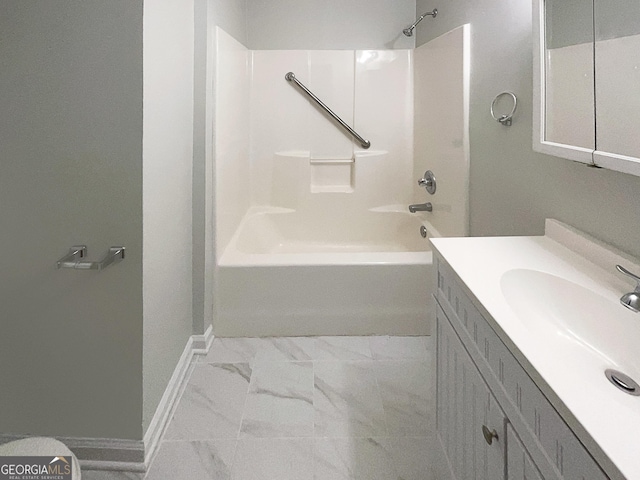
pixel 73 259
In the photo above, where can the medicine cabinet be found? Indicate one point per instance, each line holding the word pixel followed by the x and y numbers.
pixel 587 81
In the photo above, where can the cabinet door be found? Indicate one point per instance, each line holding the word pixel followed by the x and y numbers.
pixel 519 463
pixel 465 406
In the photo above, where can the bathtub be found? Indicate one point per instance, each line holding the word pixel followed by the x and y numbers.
pixel 285 273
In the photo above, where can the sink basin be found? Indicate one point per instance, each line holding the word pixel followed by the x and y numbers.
pixel 575 319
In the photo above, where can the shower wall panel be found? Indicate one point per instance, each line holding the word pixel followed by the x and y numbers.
pixel 331 78
pixel 371 90
pixel 233 189
pixel 279 115
pixel 441 135
pixel 384 110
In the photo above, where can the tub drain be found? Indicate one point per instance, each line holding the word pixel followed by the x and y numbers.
pixel 623 382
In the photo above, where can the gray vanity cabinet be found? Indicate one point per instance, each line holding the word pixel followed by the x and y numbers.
pixel 464 406
pixel 520 466
pixel 493 422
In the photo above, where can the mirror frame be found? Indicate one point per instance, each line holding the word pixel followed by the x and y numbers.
pixel 617 162
pixel 540 144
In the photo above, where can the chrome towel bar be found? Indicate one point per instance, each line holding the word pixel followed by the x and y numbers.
pixel 291 77
pixel 77 252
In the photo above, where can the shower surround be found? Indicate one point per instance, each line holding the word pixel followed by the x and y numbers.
pixel 313 234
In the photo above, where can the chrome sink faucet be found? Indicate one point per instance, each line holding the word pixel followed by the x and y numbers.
pixel 631 300
pixel 421 207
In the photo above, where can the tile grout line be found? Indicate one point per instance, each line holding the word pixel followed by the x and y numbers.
pixel 253 367
pixel 375 376
pixel 384 410
pixel 313 419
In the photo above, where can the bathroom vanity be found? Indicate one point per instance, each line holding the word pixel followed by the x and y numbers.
pixel 526 327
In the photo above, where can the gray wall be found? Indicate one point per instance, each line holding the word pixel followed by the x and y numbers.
pixel 514 189
pixel 570 22
pixel 329 24
pixel 70 173
pixel 231 16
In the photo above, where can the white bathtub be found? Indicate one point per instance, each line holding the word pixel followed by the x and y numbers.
pixel 284 273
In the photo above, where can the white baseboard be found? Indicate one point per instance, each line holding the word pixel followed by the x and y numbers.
pixel 112 454
pixel 100 453
pixel 118 466
pixel 202 343
pixel 196 345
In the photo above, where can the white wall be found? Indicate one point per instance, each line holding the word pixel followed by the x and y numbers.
pixel 441 129
pixel 70 173
pixel 329 24
pixel 514 189
pixel 167 194
pixel 202 176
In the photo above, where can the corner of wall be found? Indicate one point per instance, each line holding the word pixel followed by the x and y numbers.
pixel 168 149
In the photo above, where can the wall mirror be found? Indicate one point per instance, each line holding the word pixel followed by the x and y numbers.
pixel 587 81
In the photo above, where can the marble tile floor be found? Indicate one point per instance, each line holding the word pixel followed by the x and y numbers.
pixel 301 408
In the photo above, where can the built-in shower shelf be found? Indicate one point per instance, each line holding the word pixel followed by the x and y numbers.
pixel 293 169
pixel 331 189
pixel 293 154
pixel 331 161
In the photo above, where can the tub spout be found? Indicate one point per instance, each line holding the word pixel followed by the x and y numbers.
pixel 421 207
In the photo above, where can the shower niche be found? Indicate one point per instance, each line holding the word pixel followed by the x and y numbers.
pixel 297 176
pixel 332 175
pixel 295 173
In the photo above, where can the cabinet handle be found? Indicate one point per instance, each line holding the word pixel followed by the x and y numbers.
pixel 489 435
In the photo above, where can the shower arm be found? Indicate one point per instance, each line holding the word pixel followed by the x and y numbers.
pixel 409 30
pixel 290 77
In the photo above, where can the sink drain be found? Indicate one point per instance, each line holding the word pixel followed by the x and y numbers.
pixel 623 382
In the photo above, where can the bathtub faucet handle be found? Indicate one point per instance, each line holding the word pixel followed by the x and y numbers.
pixel 428 181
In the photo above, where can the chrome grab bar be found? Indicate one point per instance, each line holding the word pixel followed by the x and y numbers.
pixel 291 77
pixel 71 260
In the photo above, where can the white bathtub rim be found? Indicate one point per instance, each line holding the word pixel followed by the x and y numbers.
pixel 232 257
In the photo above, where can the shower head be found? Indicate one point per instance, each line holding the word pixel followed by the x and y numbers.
pixel 409 30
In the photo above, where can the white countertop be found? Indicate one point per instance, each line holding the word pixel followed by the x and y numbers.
pixel 605 419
